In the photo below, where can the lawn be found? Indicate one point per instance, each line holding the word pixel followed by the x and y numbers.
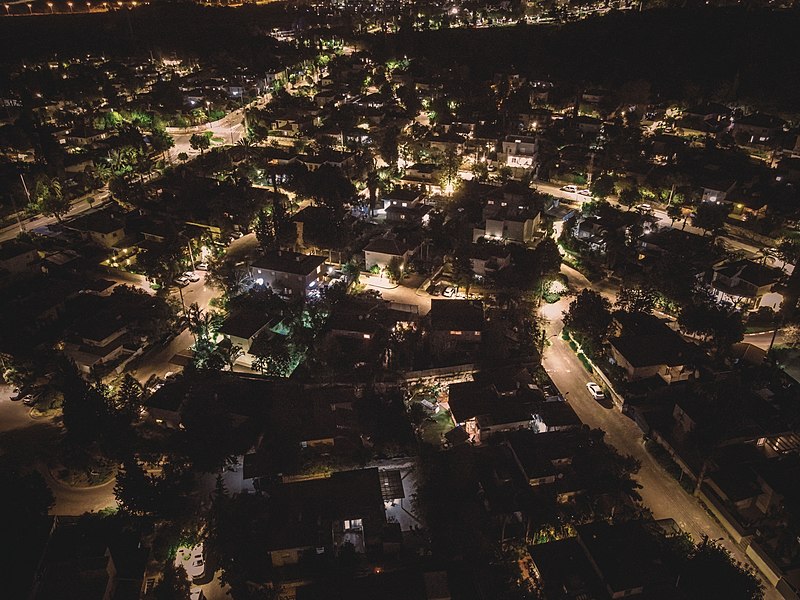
pixel 436 426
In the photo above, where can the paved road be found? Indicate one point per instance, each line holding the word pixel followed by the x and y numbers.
pixel 734 244
pixel 660 491
pixel 39 223
pixel 230 129
pixel 22 437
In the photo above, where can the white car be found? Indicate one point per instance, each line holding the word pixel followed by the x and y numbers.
pixel 202 266
pixel 569 188
pixel 192 276
pixel 644 208
pixel 181 281
pixel 584 192
pixel 595 390
pixel 449 292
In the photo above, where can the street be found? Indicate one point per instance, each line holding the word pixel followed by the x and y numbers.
pixel 24 438
pixel 229 129
pixel 664 221
pixel 40 222
pixel 660 491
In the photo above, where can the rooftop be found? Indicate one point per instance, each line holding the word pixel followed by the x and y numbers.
pixel 286 261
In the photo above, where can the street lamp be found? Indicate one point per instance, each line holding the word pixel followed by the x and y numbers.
pixel 30 8
pixel 50 6
pixel 70 6
pixel 88 7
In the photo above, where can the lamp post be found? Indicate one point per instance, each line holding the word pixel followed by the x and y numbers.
pixel 50 6
pixel 70 6
pixel 7 9
pixel 30 8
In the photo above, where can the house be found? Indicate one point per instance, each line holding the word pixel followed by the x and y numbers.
pixel 84 136
pixel 563 571
pixel 99 340
pixel 757 128
pixel 105 227
pixel 710 112
pixel 716 189
pixel 417 214
pixel 747 285
pixel 98 564
pixel 18 257
pixel 242 327
pixel 288 273
pixel 318 516
pixel 424 175
pixel 402 197
pixel 586 124
pixel 519 152
pixel 647 348
pixel 627 558
pixel 511 214
pixel 382 250
pixel 488 259
pixel 455 327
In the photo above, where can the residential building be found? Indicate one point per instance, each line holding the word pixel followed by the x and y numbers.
pixel 747 285
pixel 648 348
pixel 18 257
pixel 288 273
pixel 455 327
pixel 382 250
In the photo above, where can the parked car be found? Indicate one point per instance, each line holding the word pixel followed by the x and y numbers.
pixel 17 394
pixel 181 281
pixel 644 208
pixel 595 390
pixel 569 188
pixel 585 192
pixel 30 399
pixel 192 276
pixel 449 292
pixel 202 266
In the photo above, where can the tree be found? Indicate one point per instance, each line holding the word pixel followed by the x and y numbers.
pixel 602 187
pixel 395 268
pixel 674 211
pixel 711 217
pixel 589 318
pixel 161 141
pixel 723 326
pixel 174 584
pixel 637 298
pixel 265 231
pixel 49 198
pixel 200 141
pixel 709 571
pixel 183 157
pixel 630 196
pixel 128 398
pixel 547 257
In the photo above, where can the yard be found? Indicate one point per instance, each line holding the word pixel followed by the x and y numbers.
pixel 435 426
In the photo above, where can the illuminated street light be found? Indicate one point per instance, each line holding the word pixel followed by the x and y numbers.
pixel 7 7
pixel 50 6
pixel 70 6
pixel 88 7
pixel 30 8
